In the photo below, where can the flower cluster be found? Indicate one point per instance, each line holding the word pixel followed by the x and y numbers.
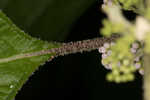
pixel 126 56
pixel 122 69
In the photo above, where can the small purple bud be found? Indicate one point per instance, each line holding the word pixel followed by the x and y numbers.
pixel 109 52
pixel 137 59
pixel 108 66
pixel 135 45
pixel 119 64
pixel 137 65
pixel 104 1
pixel 103 6
pixel 104 56
pixel 102 50
pixel 141 71
pixel 106 45
pixel 133 50
pixel 112 43
pixel 109 3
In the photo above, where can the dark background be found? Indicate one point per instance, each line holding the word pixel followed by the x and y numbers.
pixel 76 76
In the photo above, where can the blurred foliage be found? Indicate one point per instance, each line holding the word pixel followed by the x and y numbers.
pixel 47 19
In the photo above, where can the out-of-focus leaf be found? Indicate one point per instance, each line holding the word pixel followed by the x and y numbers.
pixel 47 19
pixel 3 3
pixel 59 18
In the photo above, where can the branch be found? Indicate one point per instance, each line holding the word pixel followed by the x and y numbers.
pixel 80 46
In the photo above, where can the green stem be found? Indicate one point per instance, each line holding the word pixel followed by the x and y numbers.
pixel 147 77
pixel 147 3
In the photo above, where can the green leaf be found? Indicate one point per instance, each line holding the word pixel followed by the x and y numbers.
pixel 18 58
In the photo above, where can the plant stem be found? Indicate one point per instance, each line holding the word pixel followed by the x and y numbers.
pixel 85 45
pixel 147 2
pixel 147 77
pixel 65 48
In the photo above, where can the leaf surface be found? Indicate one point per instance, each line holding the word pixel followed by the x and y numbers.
pixel 16 60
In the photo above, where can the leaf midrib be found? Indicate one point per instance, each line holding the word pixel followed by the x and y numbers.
pixel 25 55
